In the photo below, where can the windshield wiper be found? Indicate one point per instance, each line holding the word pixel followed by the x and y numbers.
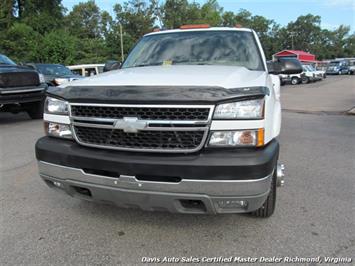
pixel 147 64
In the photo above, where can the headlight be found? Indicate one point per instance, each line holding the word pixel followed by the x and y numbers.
pixel 251 109
pixel 41 78
pixel 55 106
pixel 58 130
pixel 240 138
pixel 59 81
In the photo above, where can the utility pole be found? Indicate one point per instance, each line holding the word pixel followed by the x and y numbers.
pixel 292 43
pixel 121 35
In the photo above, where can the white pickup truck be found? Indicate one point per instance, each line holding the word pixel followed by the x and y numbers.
pixel 188 124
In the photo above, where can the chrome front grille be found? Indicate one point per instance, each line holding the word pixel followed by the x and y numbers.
pixel 143 113
pixel 146 128
pixel 151 140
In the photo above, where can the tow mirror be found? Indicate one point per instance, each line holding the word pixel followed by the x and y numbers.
pixel 111 65
pixel 285 66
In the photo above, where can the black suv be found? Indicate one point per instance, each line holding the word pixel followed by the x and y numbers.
pixel 21 89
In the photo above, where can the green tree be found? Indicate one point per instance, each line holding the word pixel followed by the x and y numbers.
pixel 42 16
pixel 21 43
pixel 6 14
pixel 175 13
pixel 304 32
pixel 136 17
pixel 84 21
pixel 211 13
pixel 59 47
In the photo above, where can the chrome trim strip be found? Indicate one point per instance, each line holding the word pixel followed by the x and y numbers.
pixel 208 187
pixel 20 91
pixel 149 121
pixel 237 124
pixel 144 129
pixel 145 105
pixel 62 119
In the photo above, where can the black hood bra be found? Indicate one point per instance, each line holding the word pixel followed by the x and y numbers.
pixel 154 94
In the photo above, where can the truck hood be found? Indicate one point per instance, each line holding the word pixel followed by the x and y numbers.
pixel 178 75
pixel 168 84
pixel 14 68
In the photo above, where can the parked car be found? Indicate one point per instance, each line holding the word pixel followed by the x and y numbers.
pixel 189 124
pixel 352 67
pixel 307 75
pixel 338 67
pixel 321 70
pixel 317 74
pixel 87 70
pixel 54 74
pixel 294 79
pixel 21 89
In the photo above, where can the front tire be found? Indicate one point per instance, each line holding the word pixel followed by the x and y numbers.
pixel 268 208
pixel 295 81
pixel 305 80
pixel 35 110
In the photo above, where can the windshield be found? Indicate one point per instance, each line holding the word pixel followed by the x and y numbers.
pixel 305 68
pixel 231 48
pixel 53 70
pixel 4 60
pixel 334 64
pixel 310 68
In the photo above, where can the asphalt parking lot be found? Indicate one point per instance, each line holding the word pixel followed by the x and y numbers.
pixel 315 213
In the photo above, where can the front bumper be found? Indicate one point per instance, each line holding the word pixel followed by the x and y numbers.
pixel 215 182
pixel 22 94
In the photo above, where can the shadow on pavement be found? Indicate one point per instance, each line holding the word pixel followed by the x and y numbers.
pixel 9 118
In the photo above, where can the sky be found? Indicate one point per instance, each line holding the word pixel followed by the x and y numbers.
pixel 333 12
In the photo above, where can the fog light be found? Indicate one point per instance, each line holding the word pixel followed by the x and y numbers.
pixel 58 130
pixel 57 184
pixel 232 204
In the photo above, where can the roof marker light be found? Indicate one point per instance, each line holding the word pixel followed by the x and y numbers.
pixel 195 26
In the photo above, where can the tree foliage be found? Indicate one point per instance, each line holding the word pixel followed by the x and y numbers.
pixel 44 31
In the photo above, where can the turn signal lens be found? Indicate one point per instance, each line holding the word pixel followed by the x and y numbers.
pixel 260 138
pixel 240 138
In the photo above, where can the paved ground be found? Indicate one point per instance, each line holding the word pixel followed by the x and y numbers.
pixel 335 94
pixel 315 213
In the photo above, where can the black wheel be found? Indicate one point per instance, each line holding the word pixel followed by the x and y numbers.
pixel 35 110
pixel 305 80
pixel 295 81
pixel 268 208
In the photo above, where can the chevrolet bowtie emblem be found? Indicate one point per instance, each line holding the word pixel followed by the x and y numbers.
pixel 130 124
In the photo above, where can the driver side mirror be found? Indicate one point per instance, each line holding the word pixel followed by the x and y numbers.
pixel 111 65
pixel 285 66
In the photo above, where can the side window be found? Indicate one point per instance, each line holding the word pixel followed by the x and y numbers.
pixel 76 71
pixel 90 72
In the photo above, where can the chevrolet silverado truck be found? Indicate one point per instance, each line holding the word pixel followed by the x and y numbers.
pixel 21 89
pixel 188 124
